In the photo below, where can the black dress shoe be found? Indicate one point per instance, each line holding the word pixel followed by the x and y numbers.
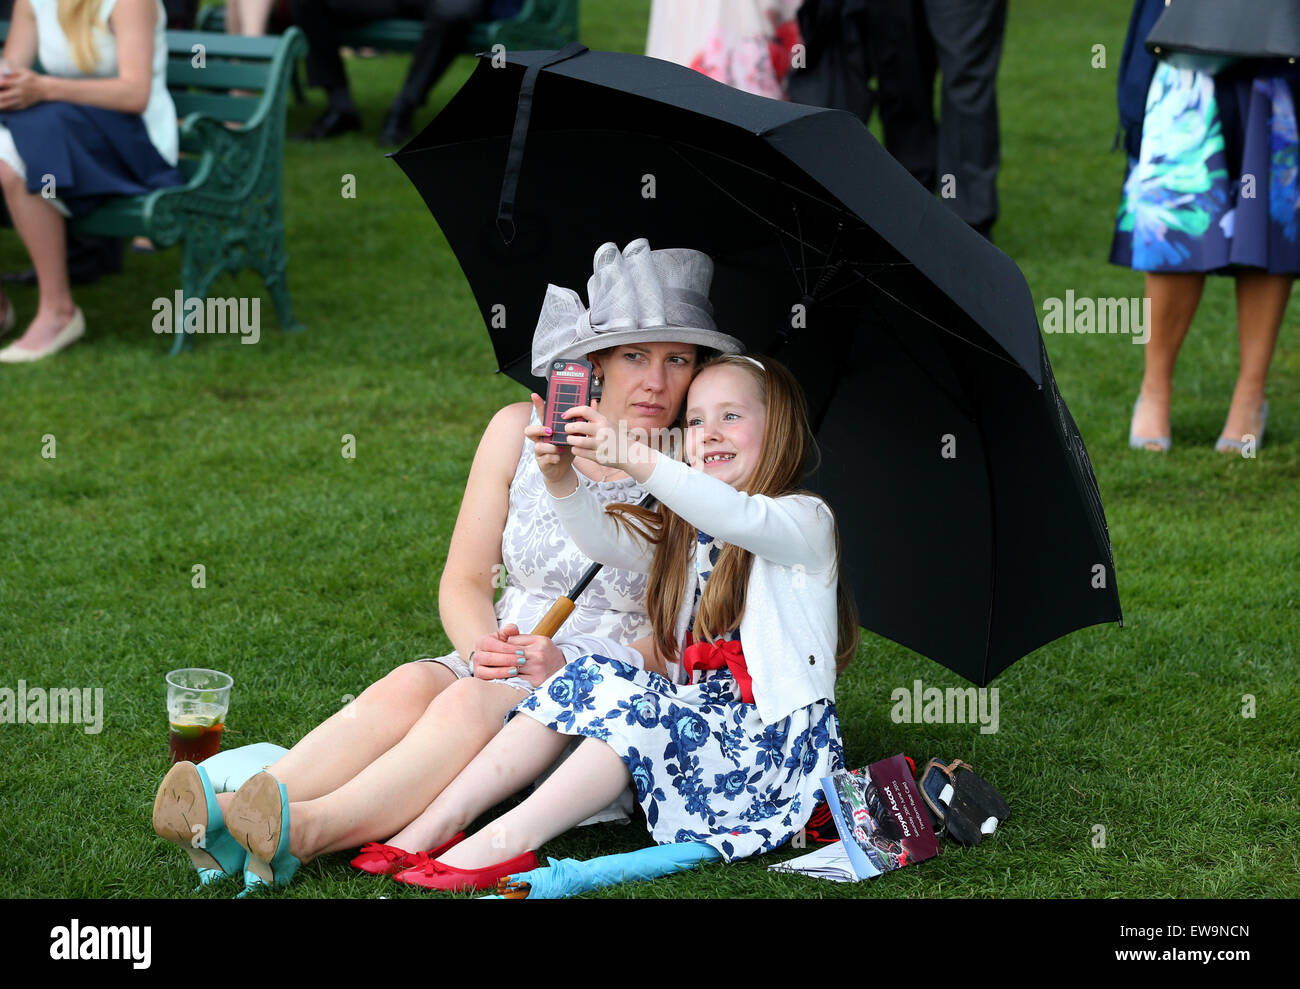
pixel 331 123
pixel 396 129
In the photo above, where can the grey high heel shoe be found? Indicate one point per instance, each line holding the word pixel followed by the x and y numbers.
pixel 1140 442
pixel 1225 445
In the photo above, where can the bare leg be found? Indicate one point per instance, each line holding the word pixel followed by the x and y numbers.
pixel 1174 298
pixel 351 739
pixel 43 232
pixel 1261 303
pixel 247 17
pixel 588 780
pixel 518 755
pixel 395 787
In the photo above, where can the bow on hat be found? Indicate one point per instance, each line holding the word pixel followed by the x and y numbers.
pixel 631 293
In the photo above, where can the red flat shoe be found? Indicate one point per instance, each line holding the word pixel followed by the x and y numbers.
pixel 435 875
pixel 385 860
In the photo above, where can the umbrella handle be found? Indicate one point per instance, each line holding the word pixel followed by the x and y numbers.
pixel 553 619
pixel 563 607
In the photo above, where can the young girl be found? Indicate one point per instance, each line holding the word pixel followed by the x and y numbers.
pixel 725 744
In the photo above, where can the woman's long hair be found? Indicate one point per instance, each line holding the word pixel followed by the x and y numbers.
pixel 788 446
pixel 78 18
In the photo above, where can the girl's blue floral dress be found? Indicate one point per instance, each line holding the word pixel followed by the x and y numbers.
pixel 704 765
pixel 1215 184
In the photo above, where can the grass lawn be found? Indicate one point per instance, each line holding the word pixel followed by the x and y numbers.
pixel 322 571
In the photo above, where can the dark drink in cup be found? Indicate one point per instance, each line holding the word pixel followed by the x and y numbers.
pixel 192 741
pixel 197 701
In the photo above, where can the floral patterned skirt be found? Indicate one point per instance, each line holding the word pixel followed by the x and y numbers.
pixel 1216 181
pixel 704 765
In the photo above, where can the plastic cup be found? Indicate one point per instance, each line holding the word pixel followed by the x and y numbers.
pixel 197 702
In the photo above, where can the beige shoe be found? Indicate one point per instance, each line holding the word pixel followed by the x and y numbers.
pixel 66 337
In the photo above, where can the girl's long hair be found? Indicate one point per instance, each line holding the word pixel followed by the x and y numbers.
pixel 78 18
pixel 788 446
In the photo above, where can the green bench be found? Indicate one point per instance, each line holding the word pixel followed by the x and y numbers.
pixel 229 214
pixel 539 24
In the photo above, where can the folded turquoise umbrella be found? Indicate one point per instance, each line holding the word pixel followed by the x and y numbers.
pixel 568 877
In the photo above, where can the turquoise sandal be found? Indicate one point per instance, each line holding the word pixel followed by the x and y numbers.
pixel 186 813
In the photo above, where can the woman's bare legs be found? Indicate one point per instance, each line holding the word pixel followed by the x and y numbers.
pixel 401 782
pixel 1174 298
pixel 351 739
pixel 591 778
pixel 43 232
pixel 247 17
pixel 1261 303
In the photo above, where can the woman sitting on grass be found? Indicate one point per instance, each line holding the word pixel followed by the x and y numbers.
pixel 725 744
pixel 372 767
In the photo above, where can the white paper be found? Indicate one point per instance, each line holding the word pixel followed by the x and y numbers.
pixel 828 862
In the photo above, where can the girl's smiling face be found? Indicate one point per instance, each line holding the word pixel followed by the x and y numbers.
pixel 725 421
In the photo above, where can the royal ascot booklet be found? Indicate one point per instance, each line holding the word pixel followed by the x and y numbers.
pixel 882 822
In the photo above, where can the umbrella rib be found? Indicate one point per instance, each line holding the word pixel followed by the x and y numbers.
pixel 993 555
pixel 788 260
pixel 827 264
pixel 799 236
pixel 940 326
pixel 962 405
pixel 802 283
pixel 803 257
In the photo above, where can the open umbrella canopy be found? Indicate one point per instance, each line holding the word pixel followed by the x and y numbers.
pixel 971 524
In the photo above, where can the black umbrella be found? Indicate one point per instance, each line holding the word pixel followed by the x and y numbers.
pixel 972 527
pixel 1262 29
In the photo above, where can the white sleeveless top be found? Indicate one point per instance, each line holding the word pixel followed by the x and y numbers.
pixel 542 563
pixel 56 59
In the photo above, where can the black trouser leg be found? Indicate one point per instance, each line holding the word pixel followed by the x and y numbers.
pixel 903 55
pixel 320 21
pixel 968 44
pixel 446 24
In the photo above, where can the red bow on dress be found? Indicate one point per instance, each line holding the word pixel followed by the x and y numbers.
pixel 715 655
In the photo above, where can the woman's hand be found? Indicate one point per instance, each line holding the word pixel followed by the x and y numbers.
pixel 555 462
pixel 496 657
pixel 22 88
pixel 593 437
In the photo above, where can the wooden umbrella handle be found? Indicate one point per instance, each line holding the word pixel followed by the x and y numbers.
pixel 553 619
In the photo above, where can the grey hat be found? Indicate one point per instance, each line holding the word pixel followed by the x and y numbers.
pixel 637 296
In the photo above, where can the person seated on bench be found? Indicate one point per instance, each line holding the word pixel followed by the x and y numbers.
pixel 446 26
pixel 86 129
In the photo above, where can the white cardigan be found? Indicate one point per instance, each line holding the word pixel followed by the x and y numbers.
pixel 789 629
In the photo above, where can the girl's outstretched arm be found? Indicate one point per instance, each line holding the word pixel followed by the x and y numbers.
pixel 793 530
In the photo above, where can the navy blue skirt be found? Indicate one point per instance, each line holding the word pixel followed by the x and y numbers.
pixel 92 153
